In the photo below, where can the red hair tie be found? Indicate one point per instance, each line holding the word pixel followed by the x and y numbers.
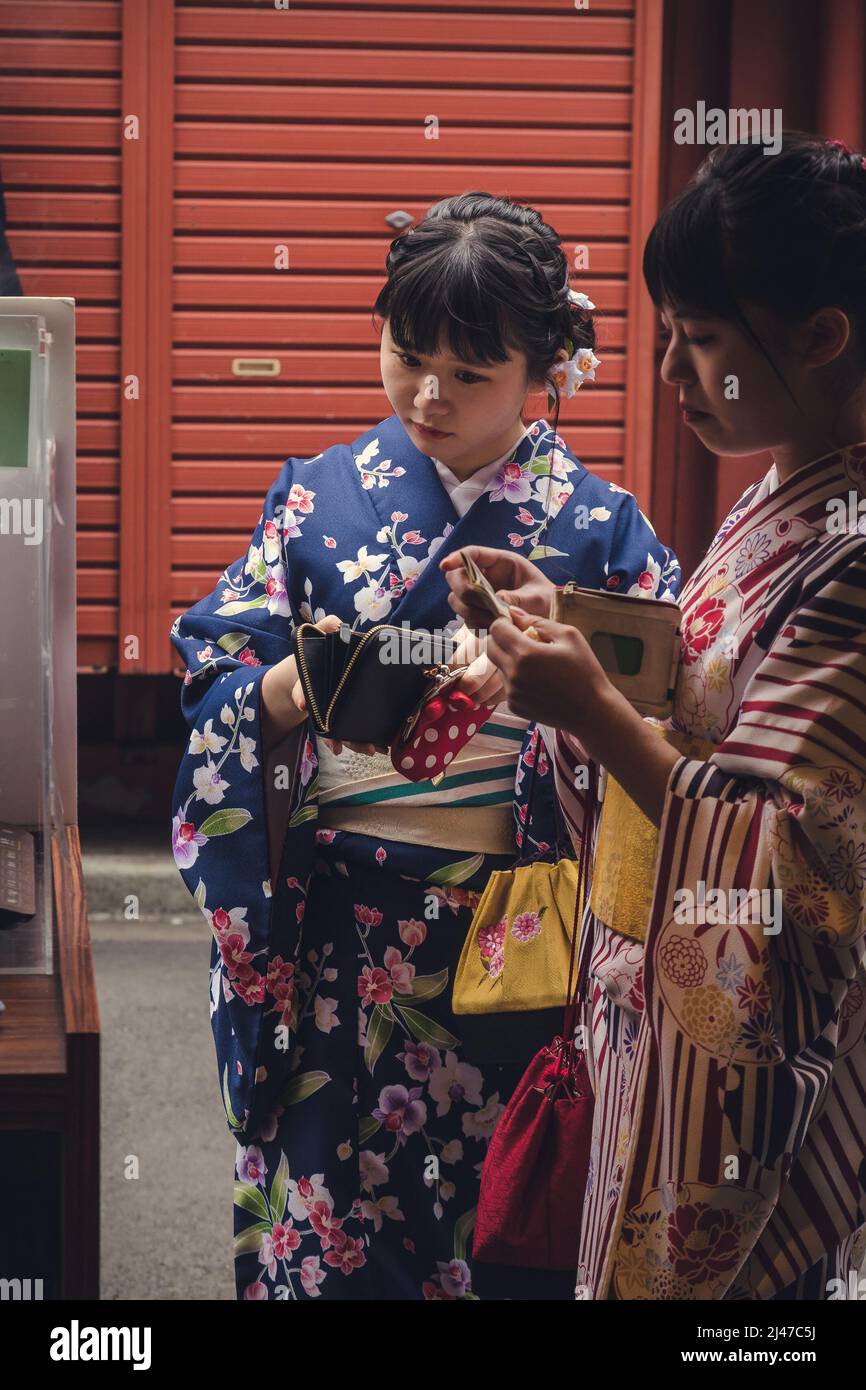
pixel 844 149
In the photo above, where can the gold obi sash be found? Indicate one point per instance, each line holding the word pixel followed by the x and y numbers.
pixel 623 874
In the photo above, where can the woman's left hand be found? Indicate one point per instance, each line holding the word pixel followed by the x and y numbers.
pixel 557 680
pixel 554 677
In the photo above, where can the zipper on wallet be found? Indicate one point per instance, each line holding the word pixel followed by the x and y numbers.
pixel 439 673
pixel 330 673
pixel 379 627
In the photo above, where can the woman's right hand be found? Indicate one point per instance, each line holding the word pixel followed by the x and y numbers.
pixel 513 578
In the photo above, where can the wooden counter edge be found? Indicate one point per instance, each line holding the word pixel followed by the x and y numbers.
pixel 80 1011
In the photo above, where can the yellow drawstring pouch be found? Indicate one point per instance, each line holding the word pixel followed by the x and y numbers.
pixel 512 978
pixel 516 953
pixel 512 981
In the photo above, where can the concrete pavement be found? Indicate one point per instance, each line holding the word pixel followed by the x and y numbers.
pixel 167 1233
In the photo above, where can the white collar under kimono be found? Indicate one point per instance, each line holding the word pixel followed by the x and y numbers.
pixel 464 493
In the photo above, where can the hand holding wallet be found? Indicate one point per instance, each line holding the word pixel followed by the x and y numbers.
pixel 636 641
pixel 363 687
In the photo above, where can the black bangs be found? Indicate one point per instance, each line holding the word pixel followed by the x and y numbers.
pixel 446 292
pixel 684 261
pixel 482 279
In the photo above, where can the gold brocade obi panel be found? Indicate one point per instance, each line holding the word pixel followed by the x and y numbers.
pixel 625 854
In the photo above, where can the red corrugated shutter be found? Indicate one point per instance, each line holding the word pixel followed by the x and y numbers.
pixel 307 128
pixel 59 122
pixel 301 127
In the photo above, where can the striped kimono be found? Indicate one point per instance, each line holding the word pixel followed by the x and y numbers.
pixel 339 894
pixel 727 1048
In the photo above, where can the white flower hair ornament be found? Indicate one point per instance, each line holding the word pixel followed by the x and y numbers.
pixel 580 366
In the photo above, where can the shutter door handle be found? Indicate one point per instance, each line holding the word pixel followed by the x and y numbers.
pixel 255 366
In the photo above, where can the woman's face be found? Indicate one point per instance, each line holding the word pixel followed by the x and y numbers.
pixel 729 393
pixel 477 407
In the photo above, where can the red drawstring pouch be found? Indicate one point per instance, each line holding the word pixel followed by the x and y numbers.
pixel 433 737
pixel 534 1176
pixel 537 1163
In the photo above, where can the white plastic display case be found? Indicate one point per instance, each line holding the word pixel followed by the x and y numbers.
pixel 37 618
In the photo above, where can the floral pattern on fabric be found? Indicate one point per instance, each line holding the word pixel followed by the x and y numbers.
pixel 741 1089
pixel 682 1242
pixel 361 1123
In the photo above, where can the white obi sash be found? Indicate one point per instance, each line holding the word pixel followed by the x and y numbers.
pixel 470 809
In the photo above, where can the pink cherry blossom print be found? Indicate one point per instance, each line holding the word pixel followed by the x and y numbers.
pixel 527 925
pixel 491 940
pixel 367 916
pixel 374 986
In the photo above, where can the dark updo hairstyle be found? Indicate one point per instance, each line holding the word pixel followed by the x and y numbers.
pixel 493 274
pixel 786 230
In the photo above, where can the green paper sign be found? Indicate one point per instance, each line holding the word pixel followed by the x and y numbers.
pixel 14 407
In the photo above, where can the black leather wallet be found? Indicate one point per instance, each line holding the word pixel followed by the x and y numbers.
pixel 356 691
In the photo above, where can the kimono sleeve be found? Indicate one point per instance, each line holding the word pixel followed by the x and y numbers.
pixel 750 1152
pixel 220 842
pixel 638 564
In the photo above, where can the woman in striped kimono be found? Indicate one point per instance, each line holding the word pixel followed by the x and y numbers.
pixel 726 1005
pixel 338 893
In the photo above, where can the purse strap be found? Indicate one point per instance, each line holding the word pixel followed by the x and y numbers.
pixel 584 879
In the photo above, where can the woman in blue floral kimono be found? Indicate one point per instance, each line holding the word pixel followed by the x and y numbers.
pixel 338 893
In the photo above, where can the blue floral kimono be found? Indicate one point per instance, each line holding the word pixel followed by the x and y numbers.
pixel 361 1128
